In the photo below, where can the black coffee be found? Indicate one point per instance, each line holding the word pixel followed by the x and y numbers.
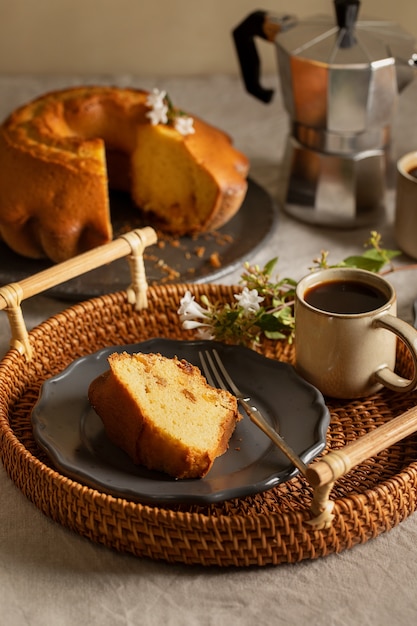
pixel 345 296
pixel 413 172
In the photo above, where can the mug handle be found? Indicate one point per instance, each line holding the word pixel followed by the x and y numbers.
pixel 408 335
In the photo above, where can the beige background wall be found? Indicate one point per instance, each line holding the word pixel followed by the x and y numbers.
pixel 143 37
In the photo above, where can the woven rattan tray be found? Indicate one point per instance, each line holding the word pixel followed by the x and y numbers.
pixel 268 528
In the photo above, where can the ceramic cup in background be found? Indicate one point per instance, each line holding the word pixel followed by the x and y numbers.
pixel 346 333
pixel 405 224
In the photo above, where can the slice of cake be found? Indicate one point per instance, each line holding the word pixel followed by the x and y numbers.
pixel 163 413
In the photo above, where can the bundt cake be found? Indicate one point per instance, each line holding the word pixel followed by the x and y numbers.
pixel 163 413
pixel 60 153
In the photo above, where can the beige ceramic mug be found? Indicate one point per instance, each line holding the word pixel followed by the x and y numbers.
pixel 405 223
pixel 346 333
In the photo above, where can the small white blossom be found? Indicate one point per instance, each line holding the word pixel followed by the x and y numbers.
pixel 184 125
pixel 158 116
pixel 205 332
pixel 191 324
pixel 162 112
pixel 190 312
pixel 159 109
pixel 249 300
pixel 156 99
pixel 190 309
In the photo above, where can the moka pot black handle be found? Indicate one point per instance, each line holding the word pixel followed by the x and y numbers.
pixel 244 37
pixel 264 25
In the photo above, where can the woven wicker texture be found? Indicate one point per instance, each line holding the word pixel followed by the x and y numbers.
pixel 269 528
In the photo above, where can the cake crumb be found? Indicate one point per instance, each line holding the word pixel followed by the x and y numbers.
pixel 215 260
pixel 199 251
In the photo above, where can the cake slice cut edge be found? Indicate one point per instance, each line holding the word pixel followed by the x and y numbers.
pixel 163 413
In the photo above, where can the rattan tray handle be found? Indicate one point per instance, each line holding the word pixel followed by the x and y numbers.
pixel 322 474
pixel 131 244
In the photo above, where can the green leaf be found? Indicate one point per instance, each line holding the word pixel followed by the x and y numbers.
pixel 270 266
pixel 274 335
pixel 372 259
pixel 230 317
pixel 269 322
pixel 372 253
pixel 364 263
pixel 285 316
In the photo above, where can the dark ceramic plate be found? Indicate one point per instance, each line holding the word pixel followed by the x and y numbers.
pixel 188 257
pixel 71 433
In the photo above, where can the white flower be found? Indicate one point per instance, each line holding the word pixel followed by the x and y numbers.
pixel 190 311
pixel 158 116
pixel 159 109
pixel 249 300
pixel 204 332
pixel 162 112
pixel 156 99
pixel 184 125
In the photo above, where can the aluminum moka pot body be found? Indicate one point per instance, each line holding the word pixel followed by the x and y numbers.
pixel 340 79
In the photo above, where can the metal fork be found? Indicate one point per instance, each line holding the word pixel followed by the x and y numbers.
pixel 217 375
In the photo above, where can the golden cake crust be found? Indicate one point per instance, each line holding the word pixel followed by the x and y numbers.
pixel 56 156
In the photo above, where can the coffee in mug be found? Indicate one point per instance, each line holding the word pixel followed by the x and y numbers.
pixel 346 333
pixel 345 296
pixel 405 223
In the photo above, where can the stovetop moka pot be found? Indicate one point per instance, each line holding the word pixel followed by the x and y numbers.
pixel 340 79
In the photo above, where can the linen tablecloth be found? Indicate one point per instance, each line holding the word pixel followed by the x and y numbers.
pixel 50 576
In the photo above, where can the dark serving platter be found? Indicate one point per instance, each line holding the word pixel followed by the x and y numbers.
pixel 185 259
pixel 67 428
